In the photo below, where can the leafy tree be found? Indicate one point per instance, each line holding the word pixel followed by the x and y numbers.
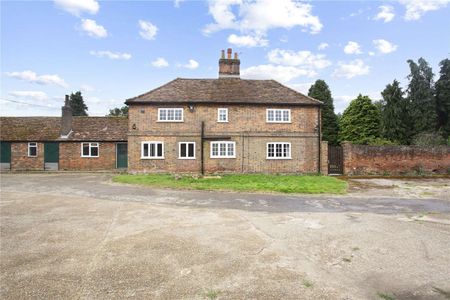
pixel 119 112
pixel 422 104
pixel 360 122
pixel 320 91
pixel 77 104
pixel 442 87
pixel 394 116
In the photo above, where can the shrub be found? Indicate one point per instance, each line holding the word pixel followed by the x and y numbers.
pixel 428 139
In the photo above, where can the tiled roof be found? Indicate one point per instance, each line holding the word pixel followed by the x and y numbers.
pixel 224 90
pixel 36 129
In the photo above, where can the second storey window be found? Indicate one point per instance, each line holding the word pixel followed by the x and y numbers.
pixel 32 149
pixel 170 114
pixel 222 115
pixel 278 116
pixel 152 150
pixel 278 150
pixel 186 150
pixel 89 149
pixel 223 149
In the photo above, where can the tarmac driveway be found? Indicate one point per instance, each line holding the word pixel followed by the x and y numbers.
pixel 81 236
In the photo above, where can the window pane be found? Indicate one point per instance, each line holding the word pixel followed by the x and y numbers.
pixel 287 150
pixel 215 149
pixel 151 150
pixel 270 150
pixel 145 154
pixel 278 150
pixel 230 149
pixel 286 115
pixel 191 150
pixel 160 150
pixel 85 149
pixel 32 149
pixel 270 115
pixel 94 150
pixel 170 115
pixel 183 150
pixel 178 115
pixel 162 114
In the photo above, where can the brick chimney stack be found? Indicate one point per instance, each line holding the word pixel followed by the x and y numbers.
pixel 229 67
pixel 66 118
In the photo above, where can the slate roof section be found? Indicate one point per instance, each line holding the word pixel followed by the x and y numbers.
pixel 40 129
pixel 224 90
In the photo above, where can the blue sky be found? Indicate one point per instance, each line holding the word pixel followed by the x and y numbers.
pixel 114 50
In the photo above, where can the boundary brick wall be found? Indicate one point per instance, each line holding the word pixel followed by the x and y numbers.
pixel 395 160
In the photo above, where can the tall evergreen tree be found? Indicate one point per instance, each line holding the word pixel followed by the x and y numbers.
pixel 320 91
pixel 422 104
pixel 394 115
pixel 360 122
pixel 442 87
pixel 77 104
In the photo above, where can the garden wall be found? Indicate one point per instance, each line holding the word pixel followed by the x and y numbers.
pixel 395 160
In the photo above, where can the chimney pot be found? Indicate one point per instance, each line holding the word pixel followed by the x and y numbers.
pixel 223 54
pixel 229 51
pixel 235 55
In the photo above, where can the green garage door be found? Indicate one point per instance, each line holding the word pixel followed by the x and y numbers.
pixel 51 155
pixel 5 155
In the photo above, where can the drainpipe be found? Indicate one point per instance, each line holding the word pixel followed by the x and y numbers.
pixel 201 148
pixel 319 140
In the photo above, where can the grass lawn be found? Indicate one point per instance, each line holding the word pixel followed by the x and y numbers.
pixel 251 183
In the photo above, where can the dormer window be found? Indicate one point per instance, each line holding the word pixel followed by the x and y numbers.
pixel 170 115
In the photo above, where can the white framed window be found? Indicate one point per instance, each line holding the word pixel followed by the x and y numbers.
pixel 170 115
pixel 278 150
pixel 152 150
pixel 223 149
pixel 186 150
pixel 222 115
pixel 89 149
pixel 32 149
pixel 278 115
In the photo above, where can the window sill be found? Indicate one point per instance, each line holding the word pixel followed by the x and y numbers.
pixel 278 122
pixel 222 157
pixel 187 158
pixel 89 156
pixel 278 158
pixel 152 158
pixel 182 121
pixel 222 121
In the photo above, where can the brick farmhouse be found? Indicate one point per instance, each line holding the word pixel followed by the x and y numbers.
pixel 218 125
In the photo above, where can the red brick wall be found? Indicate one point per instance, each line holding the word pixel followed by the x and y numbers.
pixel 246 126
pixel 70 157
pixel 395 160
pixel 20 160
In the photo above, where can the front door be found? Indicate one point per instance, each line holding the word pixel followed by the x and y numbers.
pixel 51 156
pixel 5 156
pixel 122 155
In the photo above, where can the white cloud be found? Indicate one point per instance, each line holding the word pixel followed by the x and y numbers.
pixel 148 30
pixel 352 48
pixel 77 7
pixel 351 69
pixel 371 53
pixel 257 17
pixel 386 13
pixel 323 46
pixel 341 102
pixel 279 73
pixel 176 3
pixel 31 76
pixel 111 55
pixel 300 58
pixel 87 88
pixel 384 46
pixel 301 87
pixel 93 29
pixel 192 64
pixel 247 41
pixel 160 62
pixel 415 9
pixel 35 95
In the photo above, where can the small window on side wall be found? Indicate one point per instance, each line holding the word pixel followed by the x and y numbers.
pixel 152 150
pixel 222 115
pixel 32 149
pixel 89 150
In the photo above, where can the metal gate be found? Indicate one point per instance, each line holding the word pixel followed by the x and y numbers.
pixel 335 160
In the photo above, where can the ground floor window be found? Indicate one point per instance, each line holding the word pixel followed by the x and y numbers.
pixel 152 150
pixel 32 149
pixel 278 150
pixel 89 149
pixel 186 150
pixel 223 149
